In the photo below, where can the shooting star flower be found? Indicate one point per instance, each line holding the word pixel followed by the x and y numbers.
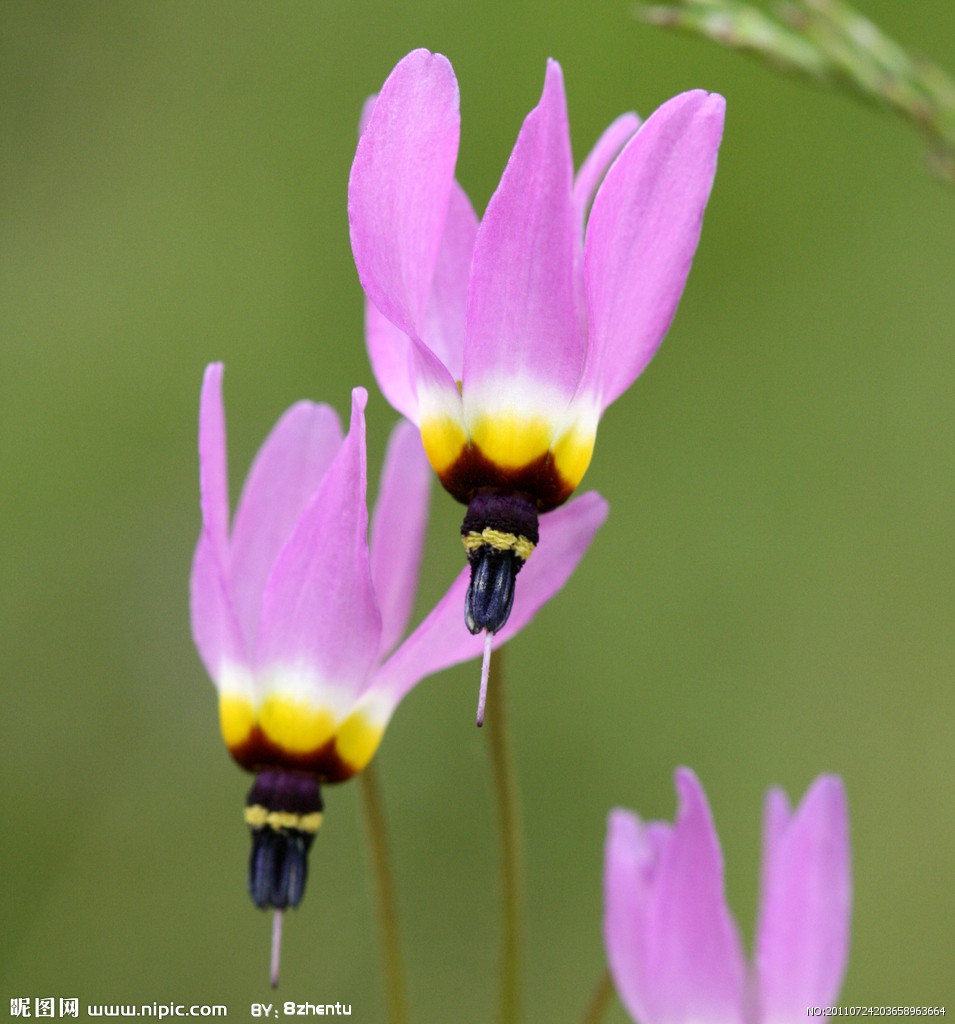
pixel 297 617
pixel 505 341
pixel 674 951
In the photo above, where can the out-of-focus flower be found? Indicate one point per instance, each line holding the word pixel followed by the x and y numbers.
pixel 297 617
pixel 506 340
pixel 672 944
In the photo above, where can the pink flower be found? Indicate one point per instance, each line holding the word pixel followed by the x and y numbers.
pixel 672 944
pixel 506 340
pixel 298 618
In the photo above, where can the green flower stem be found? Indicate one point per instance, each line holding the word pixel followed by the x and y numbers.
pixel 508 815
pixel 385 886
pixel 599 1000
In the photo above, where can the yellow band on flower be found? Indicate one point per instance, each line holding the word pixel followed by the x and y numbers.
pixel 357 740
pixel 511 440
pixel 294 725
pixel 444 439
pixel 236 719
pixel 261 817
pixel 572 454
pixel 520 545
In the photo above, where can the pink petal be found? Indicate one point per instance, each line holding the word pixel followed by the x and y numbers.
pixel 673 947
pixel 598 160
pixel 802 941
pixel 391 353
pixel 319 613
pixel 641 236
pixel 565 535
pixel 213 471
pixel 694 956
pixel 443 640
pixel 400 183
pixel 284 476
pixel 445 317
pixel 588 178
pixel 396 363
pixel 521 320
pixel 631 855
pixel 398 528
pixel 215 627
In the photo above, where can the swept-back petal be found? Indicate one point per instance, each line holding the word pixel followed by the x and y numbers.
pixel 215 627
pixel 802 939
pixel 400 183
pixel 443 640
pixel 588 178
pixel 597 161
pixel 521 322
pixel 565 535
pixel 391 353
pixel 689 963
pixel 320 625
pixel 284 477
pixel 398 527
pixel 445 315
pixel 641 236
pixel 632 853
pixel 213 465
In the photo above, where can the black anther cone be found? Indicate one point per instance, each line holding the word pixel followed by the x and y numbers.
pixel 491 590
pixel 278 863
pixel 278 867
pixel 493 569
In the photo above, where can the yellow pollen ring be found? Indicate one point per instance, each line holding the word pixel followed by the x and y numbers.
pixel 521 546
pixel 260 817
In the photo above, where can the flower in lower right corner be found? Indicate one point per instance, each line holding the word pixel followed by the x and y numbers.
pixel 673 947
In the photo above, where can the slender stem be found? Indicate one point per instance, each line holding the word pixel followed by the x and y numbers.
pixel 385 886
pixel 505 799
pixel 599 1000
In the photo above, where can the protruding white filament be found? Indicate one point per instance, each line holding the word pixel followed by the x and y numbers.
pixel 485 671
pixel 276 948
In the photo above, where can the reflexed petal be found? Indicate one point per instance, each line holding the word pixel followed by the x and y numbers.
pixel 213 471
pixel 565 535
pixel 598 160
pixel 320 623
pixel 443 640
pixel 398 528
pixel 631 855
pixel 694 953
pixel 400 183
pixel 394 361
pixel 802 941
pixel 215 627
pixel 440 411
pixel 391 353
pixel 641 236
pixel 521 321
pixel 445 318
pixel 588 178
pixel 283 479
pixel 440 641
pixel 688 964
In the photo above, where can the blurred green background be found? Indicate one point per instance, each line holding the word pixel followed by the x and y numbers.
pixel 772 596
